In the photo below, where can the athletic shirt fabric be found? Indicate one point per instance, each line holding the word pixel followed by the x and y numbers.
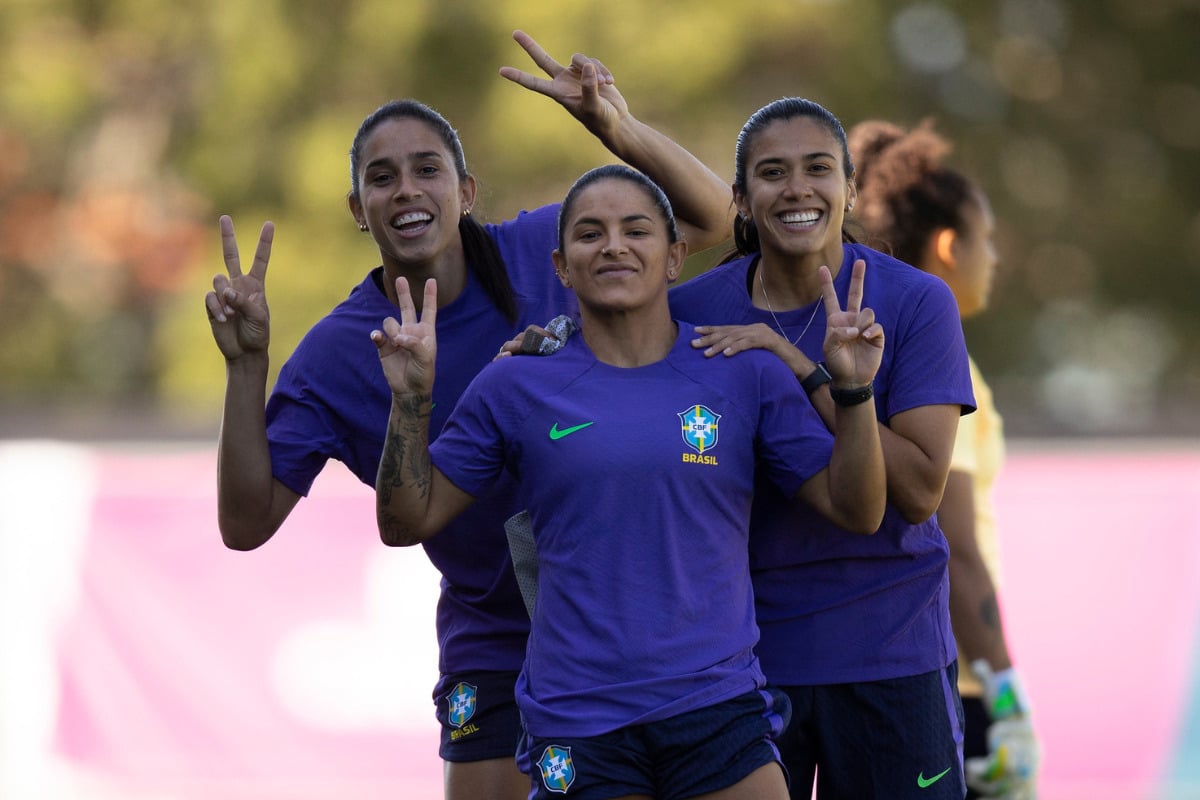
pixel 640 483
pixel 835 607
pixel 332 401
pixel 979 452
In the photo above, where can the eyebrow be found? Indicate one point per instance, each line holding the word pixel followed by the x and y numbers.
pixel 625 219
pixel 805 157
pixel 421 156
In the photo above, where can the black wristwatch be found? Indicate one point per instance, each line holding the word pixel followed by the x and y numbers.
pixel 816 379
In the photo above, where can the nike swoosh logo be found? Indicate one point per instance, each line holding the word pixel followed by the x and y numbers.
pixel 925 783
pixel 556 434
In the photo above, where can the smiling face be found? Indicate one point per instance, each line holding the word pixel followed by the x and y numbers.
pixel 410 195
pixel 616 250
pixel 796 191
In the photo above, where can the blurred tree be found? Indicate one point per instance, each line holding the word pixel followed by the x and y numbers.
pixel 127 126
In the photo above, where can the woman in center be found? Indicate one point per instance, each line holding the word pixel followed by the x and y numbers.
pixel 636 457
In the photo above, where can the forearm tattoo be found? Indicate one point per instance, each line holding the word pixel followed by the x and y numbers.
pixel 989 612
pixel 405 471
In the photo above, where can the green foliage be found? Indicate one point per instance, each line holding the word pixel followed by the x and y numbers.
pixel 128 126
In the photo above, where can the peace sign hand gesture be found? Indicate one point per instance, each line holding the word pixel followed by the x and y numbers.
pixel 237 305
pixel 408 348
pixel 584 87
pixel 853 339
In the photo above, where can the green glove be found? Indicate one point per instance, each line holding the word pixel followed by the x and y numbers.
pixel 1009 771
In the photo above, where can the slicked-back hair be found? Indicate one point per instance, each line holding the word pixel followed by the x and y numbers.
pixel 745 233
pixel 479 249
pixel 616 172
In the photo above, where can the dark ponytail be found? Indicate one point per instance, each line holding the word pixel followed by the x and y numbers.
pixel 484 259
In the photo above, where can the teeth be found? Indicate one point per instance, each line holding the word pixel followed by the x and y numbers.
pixel 801 217
pixel 411 217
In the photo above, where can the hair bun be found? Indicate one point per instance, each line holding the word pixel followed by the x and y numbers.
pixel 886 153
pixel 867 140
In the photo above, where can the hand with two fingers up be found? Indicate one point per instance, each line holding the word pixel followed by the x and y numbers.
pixel 408 346
pixel 584 87
pixel 854 341
pixel 237 305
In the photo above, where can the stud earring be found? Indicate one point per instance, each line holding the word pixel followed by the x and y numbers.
pixel 466 211
pixel 362 226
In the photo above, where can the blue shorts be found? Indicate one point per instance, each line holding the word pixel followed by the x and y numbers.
pixel 898 738
pixel 686 755
pixel 975 741
pixel 479 717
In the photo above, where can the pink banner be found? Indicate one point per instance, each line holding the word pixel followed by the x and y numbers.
pixel 302 669
pixel 141 659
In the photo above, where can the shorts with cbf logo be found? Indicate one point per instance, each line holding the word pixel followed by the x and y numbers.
pixel 684 756
pixel 479 717
pixel 898 738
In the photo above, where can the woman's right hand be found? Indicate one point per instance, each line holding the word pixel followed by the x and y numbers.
pixel 237 305
pixel 729 340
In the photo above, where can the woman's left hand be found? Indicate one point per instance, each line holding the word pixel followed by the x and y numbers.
pixel 584 87
pixel 853 339
pixel 408 347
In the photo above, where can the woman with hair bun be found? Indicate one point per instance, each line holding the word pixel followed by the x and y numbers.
pixel 932 216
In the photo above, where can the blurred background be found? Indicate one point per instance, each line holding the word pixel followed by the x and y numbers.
pixel 128 126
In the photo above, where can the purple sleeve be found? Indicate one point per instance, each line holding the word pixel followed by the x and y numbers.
pixel 930 363
pixel 300 441
pixel 470 450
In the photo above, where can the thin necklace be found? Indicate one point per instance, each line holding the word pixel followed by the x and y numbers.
pixel 796 341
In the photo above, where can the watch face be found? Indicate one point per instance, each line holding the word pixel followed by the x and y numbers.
pixel 816 379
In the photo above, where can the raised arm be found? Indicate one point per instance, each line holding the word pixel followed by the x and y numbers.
pixel 413 500
pixel 251 504
pixel 852 490
pixel 703 203
pixel 917 445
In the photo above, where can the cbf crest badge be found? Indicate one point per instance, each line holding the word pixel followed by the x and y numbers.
pixel 462 704
pixel 700 428
pixel 558 771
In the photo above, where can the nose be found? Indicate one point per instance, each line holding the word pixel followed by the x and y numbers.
pixel 405 185
pixel 613 248
pixel 799 186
